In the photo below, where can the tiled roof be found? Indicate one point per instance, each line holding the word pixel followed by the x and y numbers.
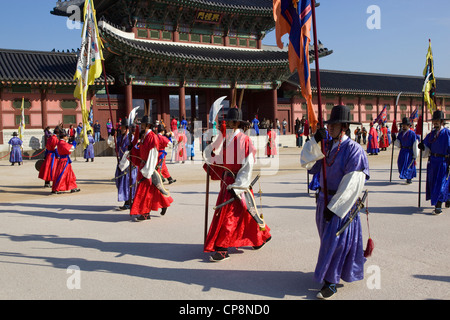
pixel 38 67
pixel 371 83
pixel 197 53
pixel 264 7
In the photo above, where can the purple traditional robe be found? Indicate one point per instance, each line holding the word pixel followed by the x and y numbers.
pixel 123 183
pixel 340 257
pixel 89 151
pixel 16 151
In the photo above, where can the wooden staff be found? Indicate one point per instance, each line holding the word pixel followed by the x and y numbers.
pixel 319 98
pixel 395 121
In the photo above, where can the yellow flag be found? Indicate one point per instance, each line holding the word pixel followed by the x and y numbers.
pixel 430 86
pixel 89 66
pixel 22 120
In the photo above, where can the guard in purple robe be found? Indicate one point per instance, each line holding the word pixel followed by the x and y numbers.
pixel 347 169
pixel 407 140
pixel 16 150
pixel 123 169
pixel 89 151
pixel 436 146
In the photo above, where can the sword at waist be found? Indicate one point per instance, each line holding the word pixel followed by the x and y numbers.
pixel 237 198
pixel 359 204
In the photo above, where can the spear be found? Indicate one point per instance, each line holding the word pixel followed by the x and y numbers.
pixel 392 131
pixel 319 97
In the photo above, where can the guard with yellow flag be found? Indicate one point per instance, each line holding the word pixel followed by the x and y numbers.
pixel 89 66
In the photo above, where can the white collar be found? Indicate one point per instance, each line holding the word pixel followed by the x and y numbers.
pixel 336 143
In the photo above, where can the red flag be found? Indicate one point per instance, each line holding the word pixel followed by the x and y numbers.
pixel 394 127
pixel 419 126
pixel 295 18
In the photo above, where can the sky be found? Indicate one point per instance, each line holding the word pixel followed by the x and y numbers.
pixel 397 46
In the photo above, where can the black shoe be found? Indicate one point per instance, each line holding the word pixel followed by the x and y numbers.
pixel 437 211
pixel 125 207
pixel 47 185
pixel 74 190
pixel 408 181
pixel 143 217
pixel 87 160
pixel 327 291
pixel 171 180
pixel 447 204
pixel 163 211
pixel 259 247
pixel 219 256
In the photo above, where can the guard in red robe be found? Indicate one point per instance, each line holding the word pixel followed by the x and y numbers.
pixel 232 225
pixel 165 139
pixel 64 178
pixel 271 147
pixel 384 142
pixel 148 197
pixel 48 168
pixel 372 142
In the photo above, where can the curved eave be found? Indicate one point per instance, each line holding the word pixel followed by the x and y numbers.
pixel 194 55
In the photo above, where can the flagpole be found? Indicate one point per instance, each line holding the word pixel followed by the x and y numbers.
pixel 319 97
pixel 421 134
pixel 110 109
pixel 395 121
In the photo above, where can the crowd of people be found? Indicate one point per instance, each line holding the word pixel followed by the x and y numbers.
pixel 141 171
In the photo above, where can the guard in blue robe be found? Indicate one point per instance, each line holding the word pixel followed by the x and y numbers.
pixel 436 146
pixel 255 123
pixel 407 141
pixel 123 176
pixel 340 257
pixel 16 150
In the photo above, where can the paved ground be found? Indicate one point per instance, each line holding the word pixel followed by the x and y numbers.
pixel 43 236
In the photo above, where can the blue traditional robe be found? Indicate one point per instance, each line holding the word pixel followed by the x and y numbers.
pixel 437 144
pixel 340 257
pixel 123 183
pixel 16 151
pixel 256 126
pixel 406 162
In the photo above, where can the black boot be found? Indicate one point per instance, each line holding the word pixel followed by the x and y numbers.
pixel 171 180
pixel 163 211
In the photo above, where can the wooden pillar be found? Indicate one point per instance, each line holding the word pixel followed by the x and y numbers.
pixel 129 97
pixel 44 107
pixel 165 105
pixel 193 107
pixel 182 101
pixel 359 110
pixel 273 109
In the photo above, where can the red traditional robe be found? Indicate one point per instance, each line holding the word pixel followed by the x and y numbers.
pixel 163 142
pixel 48 168
pixel 148 197
pixel 384 142
pixel 181 154
pixel 64 178
pixel 271 148
pixel 232 225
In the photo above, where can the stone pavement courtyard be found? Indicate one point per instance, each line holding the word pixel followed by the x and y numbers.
pixel 47 240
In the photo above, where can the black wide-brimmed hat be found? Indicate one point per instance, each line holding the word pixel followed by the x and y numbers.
pixel 340 114
pixel 234 114
pixel 406 121
pixel 146 120
pixel 438 115
pixel 15 134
